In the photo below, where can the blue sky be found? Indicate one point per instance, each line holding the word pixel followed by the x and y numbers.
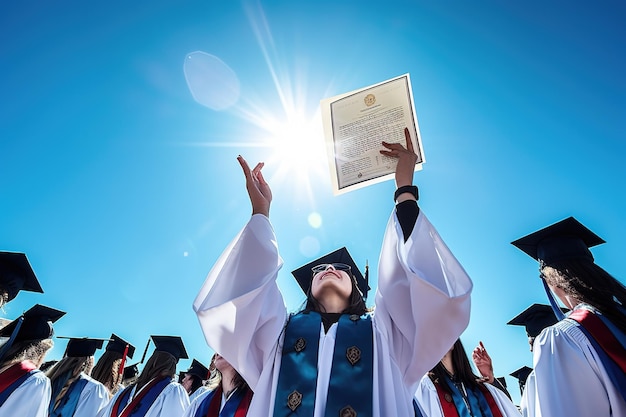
pixel 123 190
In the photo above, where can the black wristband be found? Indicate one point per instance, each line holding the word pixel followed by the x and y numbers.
pixel 406 189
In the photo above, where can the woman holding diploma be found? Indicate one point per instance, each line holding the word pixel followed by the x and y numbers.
pixel 327 360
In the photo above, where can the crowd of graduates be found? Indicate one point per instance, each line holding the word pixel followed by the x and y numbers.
pixel 336 356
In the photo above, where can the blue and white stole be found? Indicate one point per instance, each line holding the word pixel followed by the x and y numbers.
pixel 351 376
pixel 69 402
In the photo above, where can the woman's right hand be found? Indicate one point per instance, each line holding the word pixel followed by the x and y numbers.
pixel 258 190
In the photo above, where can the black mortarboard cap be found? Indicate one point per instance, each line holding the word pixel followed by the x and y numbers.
pixel 79 347
pixel 36 324
pixel 16 274
pixel 536 318
pixel 522 373
pixel 563 240
pixel 304 274
pixel 117 344
pixel 170 344
pixel 131 371
pixel 198 370
pixel 47 365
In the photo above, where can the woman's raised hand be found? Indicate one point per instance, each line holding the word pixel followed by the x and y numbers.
pixel 483 363
pixel 406 159
pixel 258 190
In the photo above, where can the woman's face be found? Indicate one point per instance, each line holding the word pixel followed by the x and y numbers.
pixel 221 364
pixel 333 280
pixel 187 382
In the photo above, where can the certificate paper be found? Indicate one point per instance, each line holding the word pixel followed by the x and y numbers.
pixel 357 122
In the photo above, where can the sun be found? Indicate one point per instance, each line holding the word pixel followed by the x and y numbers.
pixel 297 146
pixel 290 132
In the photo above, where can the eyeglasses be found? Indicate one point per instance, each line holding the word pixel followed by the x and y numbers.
pixel 337 266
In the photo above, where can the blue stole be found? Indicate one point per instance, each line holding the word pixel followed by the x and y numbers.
pixel 477 402
pixel 351 376
pixel 69 402
pixel 7 345
pixel 146 402
pixel 4 395
pixel 229 408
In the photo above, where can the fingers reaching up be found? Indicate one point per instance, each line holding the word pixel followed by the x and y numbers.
pixel 483 362
pixel 258 189
pixel 406 159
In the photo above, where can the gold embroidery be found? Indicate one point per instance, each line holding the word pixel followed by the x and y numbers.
pixel 294 400
pixel 353 354
pixel 300 345
pixel 347 411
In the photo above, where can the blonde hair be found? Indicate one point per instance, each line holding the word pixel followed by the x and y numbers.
pixel 4 298
pixel 159 364
pixel 107 370
pixel 28 350
pixel 64 373
pixel 215 378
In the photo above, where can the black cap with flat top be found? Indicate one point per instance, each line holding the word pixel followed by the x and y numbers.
pixel 117 344
pixel 84 346
pixel 536 318
pixel 131 371
pixel 170 344
pixel 566 239
pixel 304 274
pixel 16 274
pixel 521 375
pixel 198 370
pixel 34 324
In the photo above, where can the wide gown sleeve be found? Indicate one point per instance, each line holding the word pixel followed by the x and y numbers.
pixel 239 306
pixel 423 298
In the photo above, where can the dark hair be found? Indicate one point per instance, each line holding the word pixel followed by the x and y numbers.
pixel 356 304
pixel 589 283
pixel 462 369
pixel 196 382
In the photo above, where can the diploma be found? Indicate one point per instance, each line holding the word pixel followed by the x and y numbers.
pixel 356 123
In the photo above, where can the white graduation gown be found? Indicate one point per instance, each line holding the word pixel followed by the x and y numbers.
pixel 171 402
pixel 30 399
pixel 93 398
pixel 422 307
pixel 568 378
pixel 201 390
pixel 428 400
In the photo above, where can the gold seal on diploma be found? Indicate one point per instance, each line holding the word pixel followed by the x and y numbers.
pixel 369 100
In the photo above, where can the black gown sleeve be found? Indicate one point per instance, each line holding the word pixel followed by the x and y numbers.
pixel 407 212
